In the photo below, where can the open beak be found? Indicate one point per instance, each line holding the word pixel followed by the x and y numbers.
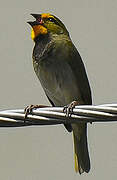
pixel 38 20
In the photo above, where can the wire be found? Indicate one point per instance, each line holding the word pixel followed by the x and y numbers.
pixel 55 115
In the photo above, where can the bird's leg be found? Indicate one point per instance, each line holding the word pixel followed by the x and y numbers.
pixel 29 109
pixel 68 110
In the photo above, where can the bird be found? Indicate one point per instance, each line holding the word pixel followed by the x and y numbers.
pixel 62 74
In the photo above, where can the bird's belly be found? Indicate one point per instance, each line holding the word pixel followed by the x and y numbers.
pixel 59 83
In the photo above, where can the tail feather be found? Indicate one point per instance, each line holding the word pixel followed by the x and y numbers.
pixel 81 155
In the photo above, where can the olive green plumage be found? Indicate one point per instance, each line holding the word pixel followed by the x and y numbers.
pixel 62 74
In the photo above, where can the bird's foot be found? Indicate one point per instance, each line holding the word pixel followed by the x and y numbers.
pixel 29 109
pixel 68 110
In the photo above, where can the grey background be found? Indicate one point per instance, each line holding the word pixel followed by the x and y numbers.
pixel 47 152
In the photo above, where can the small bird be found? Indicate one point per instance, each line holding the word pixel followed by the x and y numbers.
pixel 59 67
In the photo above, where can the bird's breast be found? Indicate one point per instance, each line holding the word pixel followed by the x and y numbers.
pixel 58 81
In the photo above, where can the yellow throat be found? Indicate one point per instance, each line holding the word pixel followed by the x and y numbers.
pixel 36 30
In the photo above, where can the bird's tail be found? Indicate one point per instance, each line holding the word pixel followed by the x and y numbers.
pixel 81 155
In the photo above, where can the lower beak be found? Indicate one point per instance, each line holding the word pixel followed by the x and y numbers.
pixel 33 23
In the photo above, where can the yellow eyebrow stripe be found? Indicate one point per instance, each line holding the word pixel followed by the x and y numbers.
pixel 46 15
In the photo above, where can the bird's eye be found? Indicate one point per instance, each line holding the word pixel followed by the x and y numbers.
pixel 51 19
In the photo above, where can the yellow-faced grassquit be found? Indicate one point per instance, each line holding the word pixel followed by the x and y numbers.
pixel 60 69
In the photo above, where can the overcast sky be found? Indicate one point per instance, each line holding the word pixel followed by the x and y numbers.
pixel 47 152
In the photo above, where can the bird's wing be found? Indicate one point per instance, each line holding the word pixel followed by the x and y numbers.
pixel 78 68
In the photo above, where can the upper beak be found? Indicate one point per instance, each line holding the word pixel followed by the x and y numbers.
pixel 36 16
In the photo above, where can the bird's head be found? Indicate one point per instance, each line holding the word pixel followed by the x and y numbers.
pixel 46 24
